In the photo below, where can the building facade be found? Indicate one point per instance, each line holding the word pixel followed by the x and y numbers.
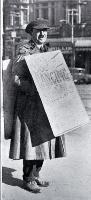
pixel 69 21
pixel 51 10
pixel 15 18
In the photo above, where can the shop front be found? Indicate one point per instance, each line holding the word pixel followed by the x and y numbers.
pixel 64 46
pixel 82 51
pixel 83 54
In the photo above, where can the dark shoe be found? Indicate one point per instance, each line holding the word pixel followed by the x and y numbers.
pixel 31 186
pixel 41 182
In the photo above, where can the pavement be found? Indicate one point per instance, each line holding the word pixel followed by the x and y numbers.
pixel 70 177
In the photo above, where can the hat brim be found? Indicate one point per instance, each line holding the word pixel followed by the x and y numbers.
pixel 41 27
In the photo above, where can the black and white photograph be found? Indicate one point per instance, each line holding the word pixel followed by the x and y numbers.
pixel 45 99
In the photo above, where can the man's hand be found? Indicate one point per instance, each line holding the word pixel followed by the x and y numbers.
pixel 17 80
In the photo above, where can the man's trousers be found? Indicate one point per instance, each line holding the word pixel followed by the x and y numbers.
pixel 31 169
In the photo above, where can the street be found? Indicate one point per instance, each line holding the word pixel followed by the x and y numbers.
pixel 85 94
pixel 70 177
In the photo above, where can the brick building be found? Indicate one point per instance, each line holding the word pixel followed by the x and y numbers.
pixel 15 17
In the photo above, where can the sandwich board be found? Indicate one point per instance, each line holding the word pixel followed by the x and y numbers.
pixel 58 93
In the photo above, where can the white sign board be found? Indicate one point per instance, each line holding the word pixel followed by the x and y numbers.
pixel 57 91
pixel 13 34
pixel 5 64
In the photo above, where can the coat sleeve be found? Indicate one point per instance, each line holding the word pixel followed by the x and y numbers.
pixel 9 98
pixel 20 69
pixel 27 85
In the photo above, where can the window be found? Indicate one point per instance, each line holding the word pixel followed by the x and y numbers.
pixel 53 20
pixel 44 4
pixel 25 16
pixel 37 13
pixel 45 13
pixel 72 14
pixel 43 9
pixel 16 18
pixel 10 22
pixel 52 3
pixel 24 1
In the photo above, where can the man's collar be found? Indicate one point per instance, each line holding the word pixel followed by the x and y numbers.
pixel 42 48
pixel 39 46
pixel 36 44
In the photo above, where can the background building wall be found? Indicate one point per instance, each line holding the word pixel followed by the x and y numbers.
pixel 51 10
pixel 18 13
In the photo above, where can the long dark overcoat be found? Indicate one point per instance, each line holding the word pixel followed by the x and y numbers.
pixel 32 137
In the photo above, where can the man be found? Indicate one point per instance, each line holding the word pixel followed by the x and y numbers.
pixel 30 119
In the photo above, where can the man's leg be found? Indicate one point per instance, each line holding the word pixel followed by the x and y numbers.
pixel 27 170
pixel 38 165
pixel 28 176
pixel 31 169
pixel 38 180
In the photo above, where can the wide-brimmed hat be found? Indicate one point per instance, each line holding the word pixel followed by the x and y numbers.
pixel 38 24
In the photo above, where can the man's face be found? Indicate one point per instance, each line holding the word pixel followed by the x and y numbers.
pixel 39 36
